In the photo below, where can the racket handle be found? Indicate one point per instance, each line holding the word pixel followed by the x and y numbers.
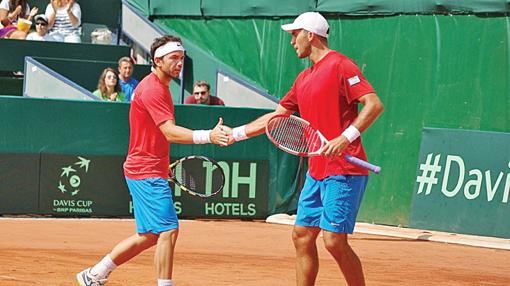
pixel 362 163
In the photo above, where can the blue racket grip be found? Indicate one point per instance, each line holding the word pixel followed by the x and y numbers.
pixel 362 163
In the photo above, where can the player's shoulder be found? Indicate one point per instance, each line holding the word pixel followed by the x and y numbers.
pixel 339 58
pixel 152 82
pixel 150 86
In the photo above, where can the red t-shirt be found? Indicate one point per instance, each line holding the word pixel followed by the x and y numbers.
pixel 326 95
pixel 148 153
pixel 190 99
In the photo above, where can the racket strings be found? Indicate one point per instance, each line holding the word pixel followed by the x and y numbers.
pixel 294 134
pixel 199 176
pixel 188 179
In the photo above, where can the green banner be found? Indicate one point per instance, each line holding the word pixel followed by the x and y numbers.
pixel 19 179
pixel 82 185
pixel 463 182
pixel 245 194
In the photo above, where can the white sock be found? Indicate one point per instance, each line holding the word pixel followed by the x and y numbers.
pixel 165 282
pixel 104 267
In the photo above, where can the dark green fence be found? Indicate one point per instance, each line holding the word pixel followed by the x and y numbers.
pixel 86 72
pixel 249 8
pixel 105 12
pixel 426 69
pixel 65 158
pixel 14 52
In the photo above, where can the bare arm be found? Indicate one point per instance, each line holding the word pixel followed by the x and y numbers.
pixel 74 20
pixel 372 108
pixel 175 133
pixel 3 17
pixel 51 17
pixel 178 134
pixel 33 12
pixel 257 126
pixel 15 14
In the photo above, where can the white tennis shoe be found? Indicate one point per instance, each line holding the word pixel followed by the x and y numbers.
pixel 85 278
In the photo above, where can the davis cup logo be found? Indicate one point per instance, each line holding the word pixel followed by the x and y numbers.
pixel 70 179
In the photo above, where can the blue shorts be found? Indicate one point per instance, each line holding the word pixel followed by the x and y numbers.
pixel 332 203
pixel 153 205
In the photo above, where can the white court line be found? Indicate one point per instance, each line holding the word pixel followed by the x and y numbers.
pixel 417 234
pixel 384 230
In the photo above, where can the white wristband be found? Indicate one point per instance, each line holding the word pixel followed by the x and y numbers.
pixel 351 133
pixel 202 136
pixel 239 133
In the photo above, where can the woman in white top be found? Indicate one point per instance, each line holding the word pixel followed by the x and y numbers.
pixel 10 12
pixel 64 18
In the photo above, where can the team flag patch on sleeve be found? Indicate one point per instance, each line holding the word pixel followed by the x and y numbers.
pixel 353 80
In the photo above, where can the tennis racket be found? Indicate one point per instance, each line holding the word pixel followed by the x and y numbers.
pixel 197 175
pixel 296 136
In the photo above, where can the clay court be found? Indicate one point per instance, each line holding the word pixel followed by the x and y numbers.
pixel 50 252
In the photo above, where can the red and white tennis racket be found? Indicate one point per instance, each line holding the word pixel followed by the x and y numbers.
pixel 296 136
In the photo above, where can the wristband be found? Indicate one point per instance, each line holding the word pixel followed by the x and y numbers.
pixel 351 133
pixel 202 136
pixel 239 133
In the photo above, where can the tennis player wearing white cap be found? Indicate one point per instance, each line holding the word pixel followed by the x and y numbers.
pixel 326 95
pixel 152 128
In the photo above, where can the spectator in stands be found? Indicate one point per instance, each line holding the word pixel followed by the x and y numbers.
pixel 41 29
pixel 127 83
pixel 64 18
pixel 10 12
pixel 202 95
pixel 108 87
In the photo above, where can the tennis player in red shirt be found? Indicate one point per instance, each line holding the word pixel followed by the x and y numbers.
pixel 152 128
pixel 326 95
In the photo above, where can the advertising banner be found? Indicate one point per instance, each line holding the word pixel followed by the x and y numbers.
pixel 81 185
pixel 245 194
pixel 19 181
pixel 463 182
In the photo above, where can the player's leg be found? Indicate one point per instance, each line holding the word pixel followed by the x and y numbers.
pixel 121 253
pixel 307 260
pixel 305 232
pixel 164 255
pixel 132 246
pixel 163 221
pixel 154 214
pixel 345 257
pixel 342 196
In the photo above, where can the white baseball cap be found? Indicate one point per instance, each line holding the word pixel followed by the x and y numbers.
pixel 41 17
pixel 310 21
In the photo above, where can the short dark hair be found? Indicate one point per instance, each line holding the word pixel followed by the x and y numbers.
pixel 158 42
pixel 202 83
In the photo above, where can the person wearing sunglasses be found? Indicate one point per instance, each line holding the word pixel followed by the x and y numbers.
pixel 41 29
pixel 202 95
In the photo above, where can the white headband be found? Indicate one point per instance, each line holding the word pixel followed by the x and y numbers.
pixel 168 48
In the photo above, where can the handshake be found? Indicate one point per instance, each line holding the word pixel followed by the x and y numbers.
pixel 221 135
